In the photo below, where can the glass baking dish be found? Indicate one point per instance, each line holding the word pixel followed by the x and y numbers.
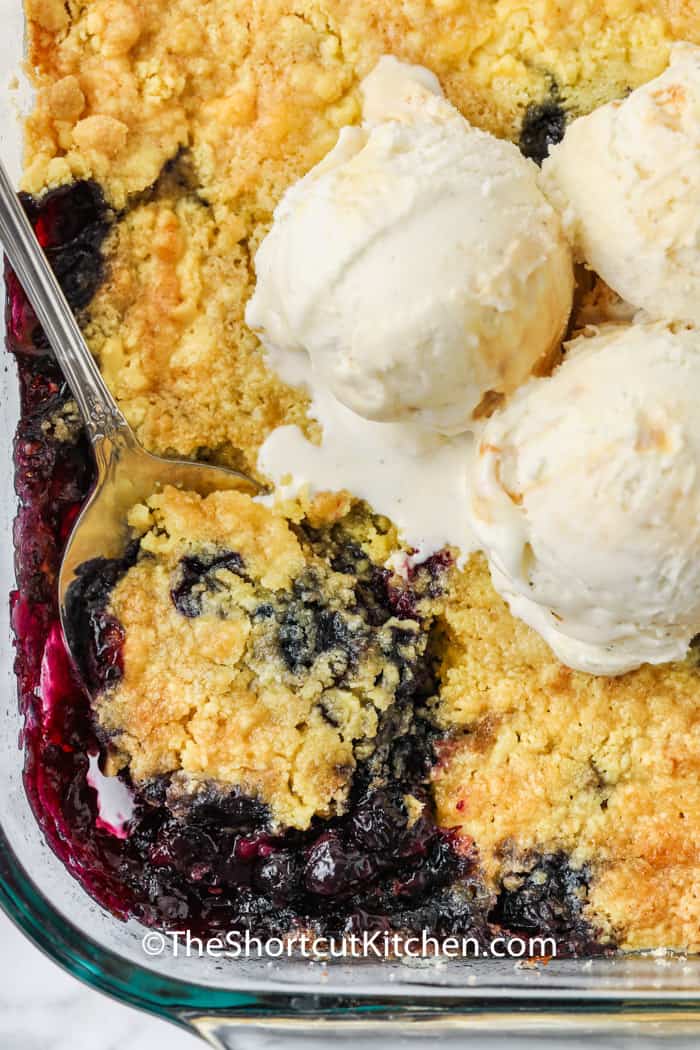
pixel 267 1003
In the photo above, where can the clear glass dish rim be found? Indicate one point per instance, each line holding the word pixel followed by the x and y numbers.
pixel 175 999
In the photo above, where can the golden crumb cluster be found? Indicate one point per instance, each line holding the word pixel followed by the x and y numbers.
pixel 248 661
pixel 194 118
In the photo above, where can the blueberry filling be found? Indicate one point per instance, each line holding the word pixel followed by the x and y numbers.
pixel 209 860
pixel 197 575
pixel 544 895
pixel 71 224
pixel 543 126
pixel 95 637
pixel 308 629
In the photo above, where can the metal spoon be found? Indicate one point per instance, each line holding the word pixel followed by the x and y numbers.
pixel 126 473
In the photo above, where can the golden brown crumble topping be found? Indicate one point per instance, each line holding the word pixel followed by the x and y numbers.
pixel 607 769
pixel 242 99
pixel 248 661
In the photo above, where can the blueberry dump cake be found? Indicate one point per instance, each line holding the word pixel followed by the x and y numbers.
pixel 443 674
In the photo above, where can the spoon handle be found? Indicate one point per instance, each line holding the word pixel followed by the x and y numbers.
pixel 103 417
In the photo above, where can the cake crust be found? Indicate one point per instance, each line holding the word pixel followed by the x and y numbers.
pixel 248 661
pixel 544 758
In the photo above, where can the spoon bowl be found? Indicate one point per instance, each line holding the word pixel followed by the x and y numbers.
pixel 126 473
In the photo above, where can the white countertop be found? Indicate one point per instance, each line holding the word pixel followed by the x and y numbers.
pixel 43 1008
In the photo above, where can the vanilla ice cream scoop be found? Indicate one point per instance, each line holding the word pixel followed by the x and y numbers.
pixel 419 264
pixel 627 181
pixel 586 499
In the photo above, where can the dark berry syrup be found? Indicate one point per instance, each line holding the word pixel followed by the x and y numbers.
pixel 52 480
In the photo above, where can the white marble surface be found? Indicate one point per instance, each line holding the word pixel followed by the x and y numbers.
pixel 43 1008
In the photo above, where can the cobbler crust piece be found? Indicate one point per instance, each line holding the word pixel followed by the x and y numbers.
pixel 542 757
pixel 194 120
pixel 248 661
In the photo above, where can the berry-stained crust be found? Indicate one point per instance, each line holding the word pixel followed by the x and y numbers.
pixel 479 786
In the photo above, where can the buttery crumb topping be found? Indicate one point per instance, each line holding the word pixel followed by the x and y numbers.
pixel 248 661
